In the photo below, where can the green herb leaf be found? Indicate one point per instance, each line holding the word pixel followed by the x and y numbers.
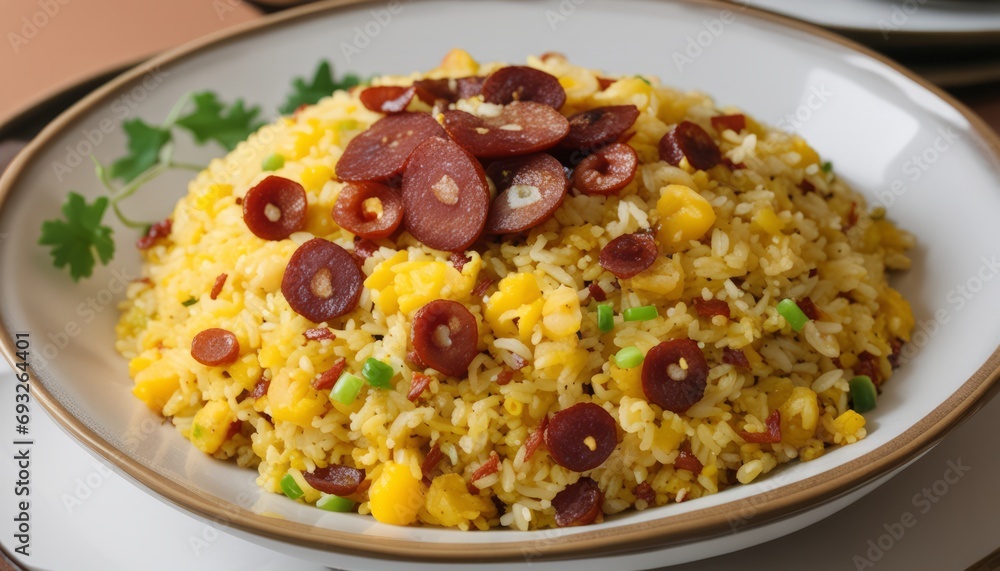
pixel 212 120
pixel 323 84
pixel 79 239
pixel 144 144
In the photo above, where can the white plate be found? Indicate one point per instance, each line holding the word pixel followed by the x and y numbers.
pixel 888 19
pixel 866 116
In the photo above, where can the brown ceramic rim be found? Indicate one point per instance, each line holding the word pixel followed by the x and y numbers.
pixel 697 525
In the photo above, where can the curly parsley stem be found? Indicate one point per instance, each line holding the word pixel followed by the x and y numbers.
pixel 187 166
pixel 130 188
pixel 178 107
pixel 128 221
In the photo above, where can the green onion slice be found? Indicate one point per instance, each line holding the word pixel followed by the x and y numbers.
pixel 790 310
pixel 290 487
pixel 629 357
pixel 605 317
pixel 332 503
pixel 644 313
pixel 273 162
pixel 863 393
pixel 346 389
pixel 377 373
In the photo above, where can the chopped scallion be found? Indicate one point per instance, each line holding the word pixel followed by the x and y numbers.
pixel 605 317
pixel 863 393
pixel 790 310
pixel 332 503
pixel 273 162
pixel 290 487
pixel 629 357
pixel 377 373
pixel 346 389
pixel 643 313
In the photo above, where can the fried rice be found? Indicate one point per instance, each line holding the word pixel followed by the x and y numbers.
pixel 785 227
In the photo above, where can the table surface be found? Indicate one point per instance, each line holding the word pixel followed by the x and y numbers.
pixel 86 517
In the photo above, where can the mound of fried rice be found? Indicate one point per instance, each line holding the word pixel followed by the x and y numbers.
pixel 786 227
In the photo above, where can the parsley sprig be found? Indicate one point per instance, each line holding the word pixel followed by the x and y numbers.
pixel 79 239
pixel 323 83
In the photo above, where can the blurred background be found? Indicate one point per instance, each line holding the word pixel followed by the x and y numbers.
pixel 954 43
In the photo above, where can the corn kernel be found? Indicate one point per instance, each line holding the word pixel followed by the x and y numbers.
pixel 518 296
pixel 306 140
pixel 246 371
pixel 407 286
pixel 460 63
pixel 807 154
pixel 208 199
pixel 893 237
pixel 849 423
pixel 450 504
pixel 578 83
pixel 313 178
pixel 629 381
pixel 294 400
pixel 664 278
pixel 211 426
pixel 513 406
pixel 777 389
pixel 799 417
pixel 900 314
pixel 768 221
pixel 396 496
pixel 383 274
pixel 812 450
pixel 711 471
pixel 561 313
pixel 142 361
pixel 628 91
pixel 156 391
pixel 670 434
pixel 684 216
